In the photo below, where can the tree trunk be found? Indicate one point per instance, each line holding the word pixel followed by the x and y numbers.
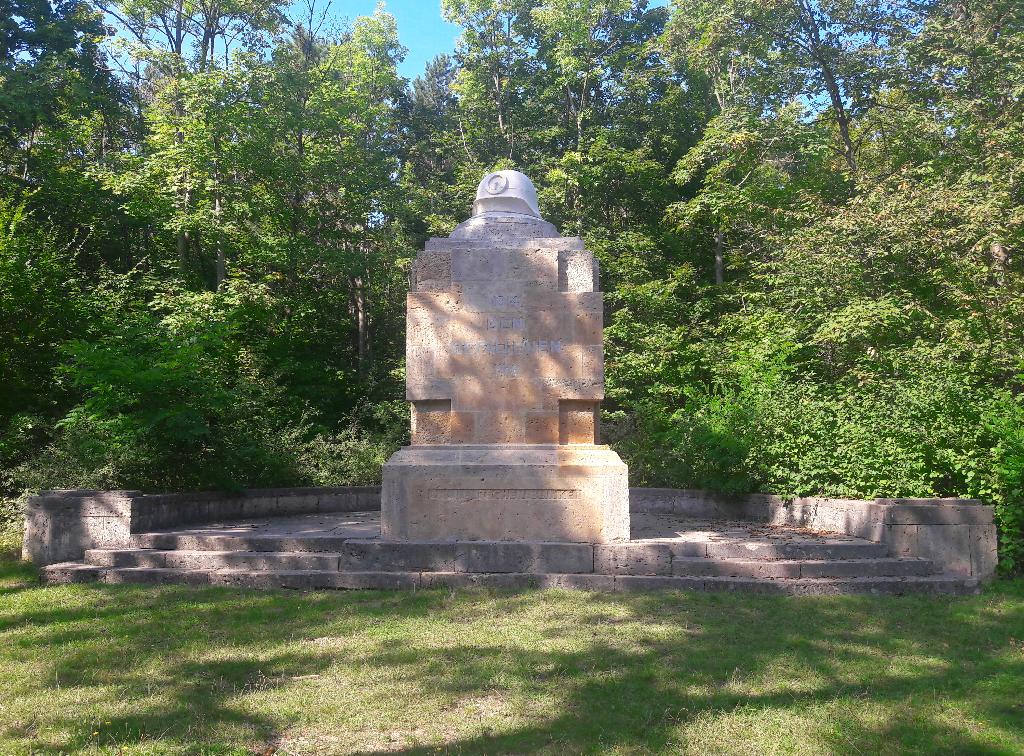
pixel 1000 254
pixel 362 335
pixel 828 74
pixel 28 151
pixel 182 242
pixel 498 103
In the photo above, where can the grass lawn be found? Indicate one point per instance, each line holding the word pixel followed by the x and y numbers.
pixel 122 669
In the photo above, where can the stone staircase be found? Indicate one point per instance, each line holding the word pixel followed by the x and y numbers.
pixel 344 551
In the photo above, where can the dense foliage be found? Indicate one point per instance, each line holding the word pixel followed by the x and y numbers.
pixel 809 214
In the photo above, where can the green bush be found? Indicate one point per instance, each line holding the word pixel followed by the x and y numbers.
pixel 1007 422
pixel 10 527
pixel 355 455
pixel 930 432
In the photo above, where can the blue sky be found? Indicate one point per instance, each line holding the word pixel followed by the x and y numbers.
pixel 420 27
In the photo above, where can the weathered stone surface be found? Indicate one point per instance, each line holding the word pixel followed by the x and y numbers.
pixel 69 572
pixel 577 582
pixel 506 493
pixel 878 567
pixel 375 555
pixel 957 535
pixel 711 554
pixel 935 512
pixel 508 354
pixel 658 583
pixel 797 550
pixel 984 554
pixel 319 579
pixel 60 526
pixel 687 502
pixel 555 242
pixel 577 271
pixel 525 557
pixel 702 566
pixel 314 579
pixel 633 559
pixel 126 557
pixel 507 580
pixel 672 556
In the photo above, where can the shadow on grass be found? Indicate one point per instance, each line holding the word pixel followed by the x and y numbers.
pixel 685 656
pixel 111 633
pixel 637 699
pixel 15 574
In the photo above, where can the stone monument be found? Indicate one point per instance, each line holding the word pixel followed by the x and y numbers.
pixel 505 360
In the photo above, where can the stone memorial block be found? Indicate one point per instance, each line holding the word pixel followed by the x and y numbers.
pixel 505 374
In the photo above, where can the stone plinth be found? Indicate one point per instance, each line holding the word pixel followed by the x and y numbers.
pixel 505 373
pixel 516 492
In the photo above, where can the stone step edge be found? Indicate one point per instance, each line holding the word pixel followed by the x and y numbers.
pixel 679 566
pixel 315 579
pixel 646 550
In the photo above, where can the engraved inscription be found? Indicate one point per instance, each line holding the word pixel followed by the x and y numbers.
pixel 505 324
pixel 503 494
pixel 506 300
pixel 507 348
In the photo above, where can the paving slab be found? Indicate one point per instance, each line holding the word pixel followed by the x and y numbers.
pixel 686 536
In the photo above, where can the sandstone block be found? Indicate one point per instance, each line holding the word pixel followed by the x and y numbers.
pixel 577 422
pixel 431 421
pixel 507 581
pixel 577 582
pixel 433 271
pixel 525 557
pixel 463 427
pixel 577 271
pixel 433 388
pixel 632 559
pixel 396 556
pixel 659 583
pixel 542 427
pixel 506 495
pixel 500 428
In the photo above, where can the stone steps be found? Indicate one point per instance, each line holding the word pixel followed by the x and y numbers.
pixel 341 552
pixel 499 558
pixel 658 558
pixel 650 551
pixel 354 555
pixel 410 580
pixel 800 568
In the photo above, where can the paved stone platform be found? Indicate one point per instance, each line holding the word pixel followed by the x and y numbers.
pixel 327 525
pixel 319 529
pixel 345 551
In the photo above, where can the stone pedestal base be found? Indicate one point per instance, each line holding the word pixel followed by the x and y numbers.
pixel 505 492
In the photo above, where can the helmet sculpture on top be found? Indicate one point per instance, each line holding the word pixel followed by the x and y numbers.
pixel 506 192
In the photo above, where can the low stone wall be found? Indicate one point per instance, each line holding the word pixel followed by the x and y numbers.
pixel 61 525
pixel 957 535
pixel 689 502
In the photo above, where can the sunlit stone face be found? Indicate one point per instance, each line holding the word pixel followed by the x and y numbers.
pixel 505 373
pixel 504 340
